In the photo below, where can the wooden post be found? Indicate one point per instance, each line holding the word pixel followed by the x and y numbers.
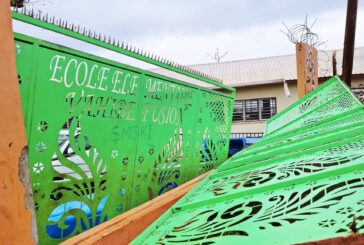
pixel 15 219
pixel 126 227
pixel 307 69
pixel 349 42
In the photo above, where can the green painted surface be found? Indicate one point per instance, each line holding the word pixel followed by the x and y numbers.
pixel 302 182
pixel 104 137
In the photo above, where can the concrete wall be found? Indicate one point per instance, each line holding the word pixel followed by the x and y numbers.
pixel 263 91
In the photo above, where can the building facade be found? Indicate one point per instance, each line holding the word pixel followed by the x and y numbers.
pixel 266 86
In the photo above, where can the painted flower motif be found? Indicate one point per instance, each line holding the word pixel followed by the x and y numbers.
pixel 248 197
pixel 312 183
pixel 119 208
pixel 36 206
pixel 18 48
pixel 122 192
pixel 36 184
pixel 289 188
pixel 125 161
pixel 334 178
pixel 151 151
pixel 123 177
pixel 139 174
pixel 114 153
pixel 327 223
pixel 38 167
pixel 141 159
pixel 346 210
pixel 361 202
pixel 40 147
pixel 42 126
pixel 228 202
pixel 359 172
pixel 137 188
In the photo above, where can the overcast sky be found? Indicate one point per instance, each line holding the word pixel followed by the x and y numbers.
pixel 186 30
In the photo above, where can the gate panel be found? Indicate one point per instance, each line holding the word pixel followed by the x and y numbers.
pixel 105 137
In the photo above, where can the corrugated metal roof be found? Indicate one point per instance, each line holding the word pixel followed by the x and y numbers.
pixel 267 70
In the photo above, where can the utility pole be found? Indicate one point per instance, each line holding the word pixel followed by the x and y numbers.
pixel 349 42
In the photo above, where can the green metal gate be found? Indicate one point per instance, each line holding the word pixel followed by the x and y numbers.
pixel 303 181
pixel 104 137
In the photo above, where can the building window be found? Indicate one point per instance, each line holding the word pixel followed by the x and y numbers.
pixel 254 109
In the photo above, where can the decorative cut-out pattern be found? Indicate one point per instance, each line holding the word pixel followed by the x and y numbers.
pixel 306 175
pixel 38 167
pixel 110 136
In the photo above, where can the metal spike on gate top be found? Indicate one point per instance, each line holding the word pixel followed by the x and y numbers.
pixel 108 40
